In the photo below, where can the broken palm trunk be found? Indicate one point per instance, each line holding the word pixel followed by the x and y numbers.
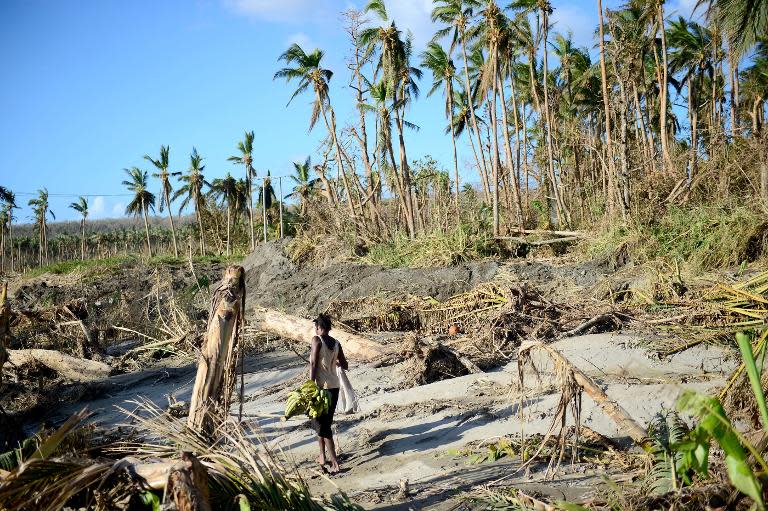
pixel 215 379
pixel 569 373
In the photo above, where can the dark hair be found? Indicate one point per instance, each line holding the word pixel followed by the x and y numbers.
pixel 323 322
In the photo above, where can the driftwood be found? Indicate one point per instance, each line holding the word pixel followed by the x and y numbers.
pixel 620 416
pixel 187 487
pixel 597 320
pixel 215 378
pixel 293 327
pixel 5 327
pixel 71 368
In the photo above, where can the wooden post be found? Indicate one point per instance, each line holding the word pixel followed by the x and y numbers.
pixel 187 487
pixel 215 378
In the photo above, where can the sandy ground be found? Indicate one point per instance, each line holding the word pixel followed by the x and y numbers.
pixel 410 434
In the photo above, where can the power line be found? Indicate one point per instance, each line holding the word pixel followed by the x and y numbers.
pixel 35 194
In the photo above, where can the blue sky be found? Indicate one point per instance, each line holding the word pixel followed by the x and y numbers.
pixel 90 86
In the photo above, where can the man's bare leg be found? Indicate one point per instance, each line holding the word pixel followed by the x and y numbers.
pixel 332 453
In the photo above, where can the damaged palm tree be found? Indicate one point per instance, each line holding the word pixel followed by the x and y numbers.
pixel 215 379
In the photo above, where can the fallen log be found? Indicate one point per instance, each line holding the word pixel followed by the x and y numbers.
pixel 620 416
pixel 215 378
pixel 71 368
pixel 294 327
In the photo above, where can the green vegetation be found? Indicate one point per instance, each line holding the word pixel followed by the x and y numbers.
pixel 704 237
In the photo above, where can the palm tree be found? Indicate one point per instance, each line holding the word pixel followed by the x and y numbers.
pixel 744 22
pixel 5 193
pixel 304 185
pixel 691 55
pixel 441 65
pixel 398 77
pixel 161 164
pixel 457 15
pixel 267 198
pixel 143 199
pixel 81 206
pixel 41 209
pixel 193 191
pixel 245 158
pixel 226 190
pixel 9 198
pixel 308 71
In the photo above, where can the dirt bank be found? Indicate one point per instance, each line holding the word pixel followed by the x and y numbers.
pixel 274 281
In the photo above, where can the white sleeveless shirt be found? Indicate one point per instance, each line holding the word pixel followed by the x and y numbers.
pixel 326 366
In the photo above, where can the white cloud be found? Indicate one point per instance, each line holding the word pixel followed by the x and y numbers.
pixel 118 209
pixel 97 207
pixel 298 11
pixel 302 40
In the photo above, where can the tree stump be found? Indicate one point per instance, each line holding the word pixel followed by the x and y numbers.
pixel 187 487
pixel 215 380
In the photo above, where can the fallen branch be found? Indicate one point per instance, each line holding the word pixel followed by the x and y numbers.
pixel 299 329
pixel 590 323
pixel 71 368
pixel 620 416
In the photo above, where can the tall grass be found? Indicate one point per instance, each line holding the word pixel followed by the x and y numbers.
pixel 434 249
pixel 704 237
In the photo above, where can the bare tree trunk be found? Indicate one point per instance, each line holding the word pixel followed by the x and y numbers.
pixel 562 211
pixel 611 170
pixel 249 173
pixel 200 226
pixel 173 227
pixel 515 184
pixel 5 326
pixel 449 93
pixel 495 167
pixel 405 174
pixel 215 378
pixel 664 90
pixel 732 93
pixel 82 239
pixel 483 171
pixel 146 226
pixel 229 221
pixel 693 117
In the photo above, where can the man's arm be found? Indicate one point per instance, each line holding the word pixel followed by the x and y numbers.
pixel 342 359
pixel 313 356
